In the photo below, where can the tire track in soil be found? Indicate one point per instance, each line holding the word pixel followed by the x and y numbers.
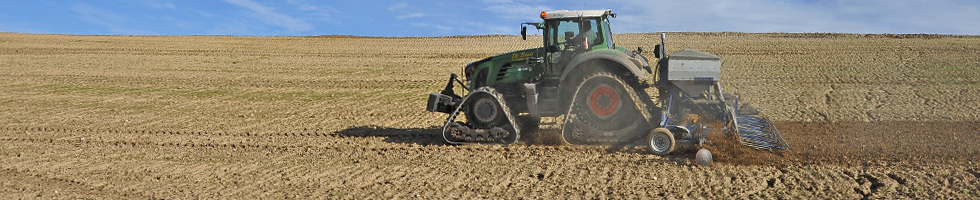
pixel 808 141
pixel 307 132
pixel 45 187
pixel 424 137
pixel 181 83
pixel 193 171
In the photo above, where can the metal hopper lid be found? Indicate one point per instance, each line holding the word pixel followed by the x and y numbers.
pixel 691 54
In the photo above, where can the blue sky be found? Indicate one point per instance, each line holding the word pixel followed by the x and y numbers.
pixel 480 17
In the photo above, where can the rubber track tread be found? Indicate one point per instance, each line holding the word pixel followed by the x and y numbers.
pixel 500 101
pixel 642 107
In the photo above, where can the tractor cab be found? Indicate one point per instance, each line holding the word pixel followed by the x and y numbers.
pixel 570 33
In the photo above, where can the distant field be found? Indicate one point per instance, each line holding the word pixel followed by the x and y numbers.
pixel 881 116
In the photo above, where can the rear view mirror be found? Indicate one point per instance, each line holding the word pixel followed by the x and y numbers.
pixel 524 32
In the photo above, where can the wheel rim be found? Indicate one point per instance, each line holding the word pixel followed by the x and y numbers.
pixel 602 112
pixel 660 142
pixel 485 110
pixel 603 104
pixel 604 101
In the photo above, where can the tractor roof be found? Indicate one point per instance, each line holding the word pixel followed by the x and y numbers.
pixel 558 14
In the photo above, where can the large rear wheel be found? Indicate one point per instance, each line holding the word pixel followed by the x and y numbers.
pixel 603 112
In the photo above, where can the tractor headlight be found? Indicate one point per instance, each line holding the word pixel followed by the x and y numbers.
pixel 523 68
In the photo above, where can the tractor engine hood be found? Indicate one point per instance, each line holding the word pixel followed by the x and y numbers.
pixel 513 56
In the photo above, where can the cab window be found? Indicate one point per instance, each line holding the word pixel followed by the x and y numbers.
pixel 560 32
pixel 606 32
pixel 563 30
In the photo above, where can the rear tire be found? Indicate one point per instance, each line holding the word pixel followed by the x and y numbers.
pixel 602 111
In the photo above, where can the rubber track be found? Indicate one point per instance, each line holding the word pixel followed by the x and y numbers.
pixel 643 108
pixel 499 99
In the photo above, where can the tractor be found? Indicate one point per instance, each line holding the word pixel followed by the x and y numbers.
pixel 597 90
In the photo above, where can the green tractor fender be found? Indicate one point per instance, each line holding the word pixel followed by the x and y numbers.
pixel 609 58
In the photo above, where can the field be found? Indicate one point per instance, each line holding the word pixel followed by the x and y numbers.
pixel 185 117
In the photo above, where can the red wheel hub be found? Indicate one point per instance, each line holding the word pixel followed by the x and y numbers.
pixel 603 101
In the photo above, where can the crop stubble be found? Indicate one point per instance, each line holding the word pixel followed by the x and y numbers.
pixel 215 116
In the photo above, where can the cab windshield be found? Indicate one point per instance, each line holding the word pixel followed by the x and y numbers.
pixel 567 34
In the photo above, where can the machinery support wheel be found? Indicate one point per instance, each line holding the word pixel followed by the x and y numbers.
pixel 703 157
pixel 661 142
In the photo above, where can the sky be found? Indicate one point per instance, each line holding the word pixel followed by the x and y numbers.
pixel 478 17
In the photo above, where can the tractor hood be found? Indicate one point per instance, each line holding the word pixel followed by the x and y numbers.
pixel 519 55
pixel 513 56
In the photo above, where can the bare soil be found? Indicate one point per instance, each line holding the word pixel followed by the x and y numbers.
pixel 186 117
pixel 863 143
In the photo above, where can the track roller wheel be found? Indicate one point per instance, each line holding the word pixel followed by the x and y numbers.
pixel 661 142
pixel 484 111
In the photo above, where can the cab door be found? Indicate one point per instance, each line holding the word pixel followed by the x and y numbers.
pixel 558 46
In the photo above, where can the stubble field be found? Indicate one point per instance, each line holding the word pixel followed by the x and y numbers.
pixel 866 116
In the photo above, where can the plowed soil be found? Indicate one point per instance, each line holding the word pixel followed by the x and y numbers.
pixel 186 117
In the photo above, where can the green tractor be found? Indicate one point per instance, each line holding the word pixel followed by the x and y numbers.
pixel 597 90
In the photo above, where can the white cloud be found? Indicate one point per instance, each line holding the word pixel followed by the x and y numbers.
pixel 106 19
pixel 464 28
pixel 398 6
pixel 270 16
pixel 405 12
pixel 869 16
pixel 324 11
pixel 511 10
pixel 159 4
pixel 20 29
pixel 957 17
pixel 412 15
pixel 504 16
